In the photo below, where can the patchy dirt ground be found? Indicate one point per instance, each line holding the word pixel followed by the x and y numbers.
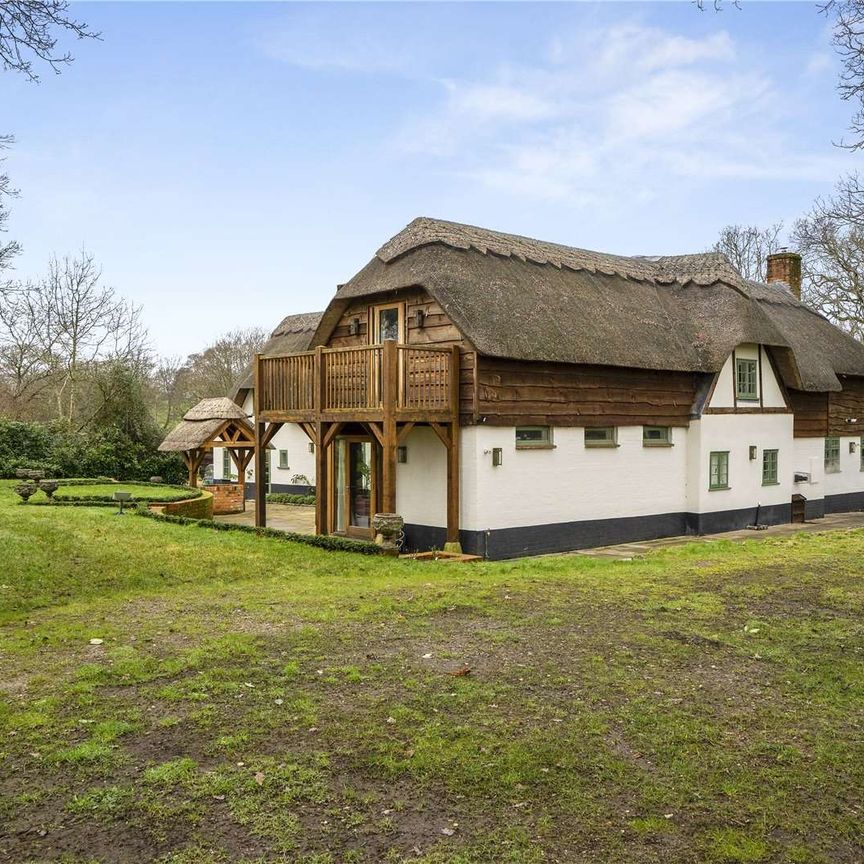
pixel 248 703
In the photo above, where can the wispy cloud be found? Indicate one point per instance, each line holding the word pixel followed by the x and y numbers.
pixel 625 107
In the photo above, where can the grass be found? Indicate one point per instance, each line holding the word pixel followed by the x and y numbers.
pixel 107 490
pixel 254 700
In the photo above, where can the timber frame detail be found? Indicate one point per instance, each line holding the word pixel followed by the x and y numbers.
pixel 386 389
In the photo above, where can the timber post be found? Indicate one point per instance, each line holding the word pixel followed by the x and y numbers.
pixel 319 401
pixel 453 487
pixel 260 450
pixel 389 396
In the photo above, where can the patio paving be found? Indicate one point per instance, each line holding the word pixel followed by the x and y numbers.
pixel 627 551
pixel 298 519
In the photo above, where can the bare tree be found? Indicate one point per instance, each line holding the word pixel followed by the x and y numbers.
pixel 832 251
pixel 10 249
pixel 84 324
pixel 215 370
pixel 167 383
pixel 748 247
pixel 28 33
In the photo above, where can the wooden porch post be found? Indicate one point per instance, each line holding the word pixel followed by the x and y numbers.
pixel 389 394
pixel 321 479
pixel 453 542
pixel 260 450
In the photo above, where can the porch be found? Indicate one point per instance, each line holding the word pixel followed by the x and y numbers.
pixel 357 406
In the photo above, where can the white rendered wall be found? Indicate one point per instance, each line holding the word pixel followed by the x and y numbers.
pixel 421 482
pixel 736 433
pixel 571 482
pixel 291 438
pixel 850 478
pixel 809 458
pixel 724 391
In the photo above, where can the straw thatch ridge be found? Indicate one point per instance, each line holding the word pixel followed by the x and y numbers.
pixel 218 408
pixel 293 334
pixel 205 423
pixel 528 300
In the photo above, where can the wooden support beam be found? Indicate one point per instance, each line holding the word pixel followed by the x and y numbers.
pixel 193 459
pixel 309 429
pixel 376 430
pixel 321 482
pixel 260 451
pixel 403 432
pixel 389 393
pixel 332 432
pixel 442 433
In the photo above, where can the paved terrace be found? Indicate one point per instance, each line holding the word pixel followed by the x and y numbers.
pixel 301 520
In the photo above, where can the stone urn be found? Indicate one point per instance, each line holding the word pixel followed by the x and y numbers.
pixel 388 531
pixel 49 487
pixel 156 479
pixel 26 490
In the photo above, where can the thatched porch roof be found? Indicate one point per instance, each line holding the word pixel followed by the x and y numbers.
pixel 216 422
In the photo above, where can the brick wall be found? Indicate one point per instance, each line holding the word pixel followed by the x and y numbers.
pixel 227 498
pixel 193 508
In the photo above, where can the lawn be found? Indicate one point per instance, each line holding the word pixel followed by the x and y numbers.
pixel 179 695
pixel 107 490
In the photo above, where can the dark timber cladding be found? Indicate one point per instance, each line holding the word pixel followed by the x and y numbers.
pixel 818 415
pixel 512 392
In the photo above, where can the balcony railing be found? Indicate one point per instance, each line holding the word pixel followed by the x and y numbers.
pixel 374 378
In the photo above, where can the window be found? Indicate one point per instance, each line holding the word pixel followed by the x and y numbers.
pixel 388 323
pixel 283 459
pixel 769 468
pixel 227 465
pixel 533 436
pixel 861 451
pixel 656 436
pixel 832 455
pixel 745 379
pixel 601 436
pixel 718 477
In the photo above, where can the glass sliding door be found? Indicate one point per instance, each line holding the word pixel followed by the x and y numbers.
pixel 355 466
pixel 360 491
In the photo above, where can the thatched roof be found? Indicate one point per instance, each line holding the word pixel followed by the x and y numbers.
pixel 293 334
pixel 526 299
pixel 204 422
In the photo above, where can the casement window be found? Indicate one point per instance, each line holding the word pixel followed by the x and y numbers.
pixel 283 459
pixel 227 464
pixel 601 436
pixel 533 436
pixel 656 436
pixel 718 475
pixel 769 467
pixel 746 372
pixel 832 455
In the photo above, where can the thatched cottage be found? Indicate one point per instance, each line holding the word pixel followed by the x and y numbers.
pixel 521 397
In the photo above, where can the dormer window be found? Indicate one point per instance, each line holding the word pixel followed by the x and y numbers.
pixel 746 379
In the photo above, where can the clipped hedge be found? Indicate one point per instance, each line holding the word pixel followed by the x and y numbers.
pixel 286 498
pixel 338 544
pixel 79 502
pixel 164 498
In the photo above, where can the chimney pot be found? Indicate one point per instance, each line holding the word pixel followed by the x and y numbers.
pixel 785 267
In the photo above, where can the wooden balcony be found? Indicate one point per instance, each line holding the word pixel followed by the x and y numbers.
pixel 404 382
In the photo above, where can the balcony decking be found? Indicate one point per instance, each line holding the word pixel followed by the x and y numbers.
pixel 407 382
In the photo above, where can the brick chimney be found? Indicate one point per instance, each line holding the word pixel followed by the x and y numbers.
pixel 785 266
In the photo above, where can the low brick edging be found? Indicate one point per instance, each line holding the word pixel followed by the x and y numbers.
pixel 192 508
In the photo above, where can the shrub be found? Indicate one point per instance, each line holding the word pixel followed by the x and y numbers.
pixel 285 498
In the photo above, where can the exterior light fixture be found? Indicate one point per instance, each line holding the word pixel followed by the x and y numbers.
pixel 311 447
pixel 752 452
pixel 420 318
pixel 354 327
pixel 402 454
pixel 497 457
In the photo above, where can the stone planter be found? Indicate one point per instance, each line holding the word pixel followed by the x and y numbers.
pixel 388 531
pixel 49 487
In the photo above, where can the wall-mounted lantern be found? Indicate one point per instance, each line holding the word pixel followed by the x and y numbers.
pixel 402 454
pixel 497 457
pixel 354 327
pixel 311 447
pixel 752 452
pixel 420 318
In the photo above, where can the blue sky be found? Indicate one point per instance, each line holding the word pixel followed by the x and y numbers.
pixel 230 163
